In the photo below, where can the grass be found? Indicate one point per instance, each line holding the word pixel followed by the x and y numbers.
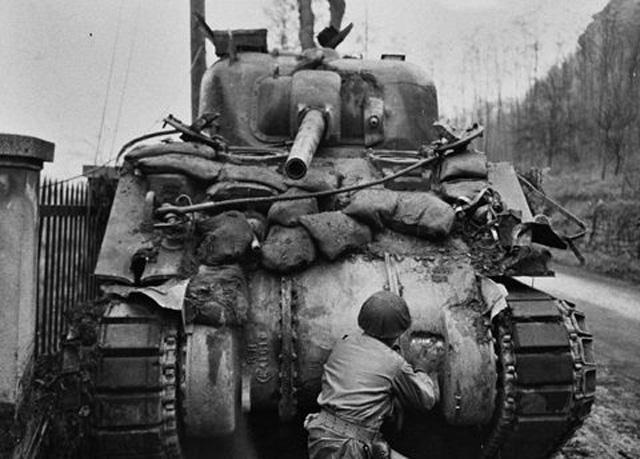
pixel 60 394
pixel 602 263
pixel 580 193
pixel 583 187
pixel 9 431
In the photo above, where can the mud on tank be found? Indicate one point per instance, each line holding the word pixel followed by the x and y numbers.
pixel 236 256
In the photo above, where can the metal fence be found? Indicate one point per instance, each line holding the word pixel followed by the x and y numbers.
pixel 72 222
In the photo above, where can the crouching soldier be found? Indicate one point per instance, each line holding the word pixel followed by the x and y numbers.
pixel 363 378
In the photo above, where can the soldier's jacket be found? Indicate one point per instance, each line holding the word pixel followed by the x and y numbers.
pixel 361 379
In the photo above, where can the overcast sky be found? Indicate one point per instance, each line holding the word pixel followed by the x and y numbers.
pixel 89 75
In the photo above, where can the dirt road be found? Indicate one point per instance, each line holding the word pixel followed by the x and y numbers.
pixel 613 314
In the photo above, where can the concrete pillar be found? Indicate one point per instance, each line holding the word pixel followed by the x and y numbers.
pixel 21 160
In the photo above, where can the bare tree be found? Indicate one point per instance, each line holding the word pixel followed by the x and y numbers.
pixel 548 124
pixel 610 64
pixel 633 76
pixel 284 23
pixel 293 21
pixel 307 20
pixel 586 109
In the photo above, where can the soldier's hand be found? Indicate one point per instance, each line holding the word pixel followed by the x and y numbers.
pixel 426 354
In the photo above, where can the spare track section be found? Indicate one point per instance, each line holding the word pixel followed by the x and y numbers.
pixel 136 384
pixel 547 375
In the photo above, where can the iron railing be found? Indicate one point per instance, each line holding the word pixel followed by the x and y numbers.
pixel 72 222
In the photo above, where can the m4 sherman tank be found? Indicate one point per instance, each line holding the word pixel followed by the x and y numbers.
pixel 236 256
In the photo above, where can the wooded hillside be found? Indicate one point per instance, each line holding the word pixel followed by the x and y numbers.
pixel 583 115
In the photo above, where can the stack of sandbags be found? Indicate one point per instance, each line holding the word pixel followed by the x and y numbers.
pixel 336 233
pixel 217 296
pixel 419 214
pixel 189 158
pixel 227 238
pixel 288 246
pixel 316 180
pixel 255 174
pixel 287 249
pixel 422 214
pixel 288 213
pixel 373 206
pixel 463 175
pixel 178 163
pixel 246 182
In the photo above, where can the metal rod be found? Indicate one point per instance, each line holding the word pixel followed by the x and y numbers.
pixel 559 207
pixel 84 238
pixel 48 303
pixel 57 297
pixel 64 271
pixel 73 254
pixel 77 247
pixel 42 271
pixel 93 205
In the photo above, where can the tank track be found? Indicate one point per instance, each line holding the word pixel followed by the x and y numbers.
pixel 136 391
pixel 546 381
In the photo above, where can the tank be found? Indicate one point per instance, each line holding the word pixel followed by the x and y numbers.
pixel 237 255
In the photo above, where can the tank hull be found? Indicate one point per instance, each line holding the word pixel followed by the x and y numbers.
pixel 543 382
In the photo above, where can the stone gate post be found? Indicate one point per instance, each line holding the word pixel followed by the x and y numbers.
pixel 21 160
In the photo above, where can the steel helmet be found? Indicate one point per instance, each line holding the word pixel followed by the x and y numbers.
pixel 384 315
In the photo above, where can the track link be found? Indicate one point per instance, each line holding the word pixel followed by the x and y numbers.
pixel 547 375
pixel 136 384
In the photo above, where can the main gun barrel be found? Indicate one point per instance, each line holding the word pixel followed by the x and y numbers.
pixel 308 138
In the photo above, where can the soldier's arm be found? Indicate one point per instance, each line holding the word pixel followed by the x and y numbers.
pixel 415 388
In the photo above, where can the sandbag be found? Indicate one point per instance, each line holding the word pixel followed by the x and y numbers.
pixel 336 233
pixel 466 189
pixel 422 214
pixel 468 164
pixel 217 296
pixel 372 206
pixel 316 180
pixel 222 191
pixel 257 174
pixel 287 249
pixel 192 166
pixel 164 148
pixel 287 213
pixel 227 238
